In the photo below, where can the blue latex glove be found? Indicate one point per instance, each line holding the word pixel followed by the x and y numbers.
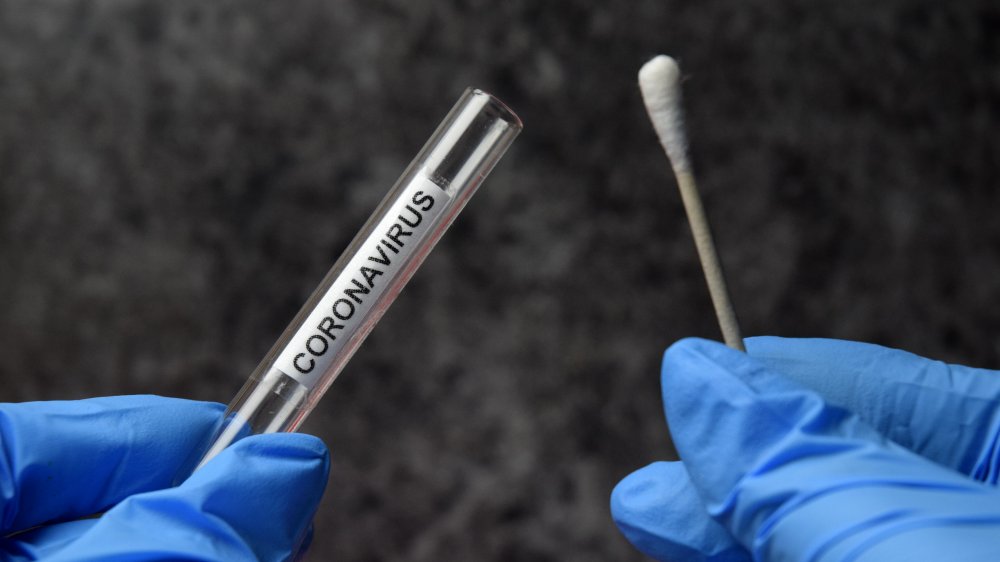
pixel 819 450
pixel 65 460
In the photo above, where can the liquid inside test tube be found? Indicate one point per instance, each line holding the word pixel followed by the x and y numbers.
pixel 370 273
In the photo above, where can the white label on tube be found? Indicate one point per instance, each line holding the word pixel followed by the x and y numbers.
pixel 349 300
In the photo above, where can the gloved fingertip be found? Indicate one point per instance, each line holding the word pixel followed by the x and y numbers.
pixel 696 371
pixel 281 474
pixel 658 510
pixel 284 445
pixel 638 503
pixel 303 456
pixel 636 498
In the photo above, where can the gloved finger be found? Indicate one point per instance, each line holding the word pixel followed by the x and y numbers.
pixel 70 459
pixel 254 501
pixel 660 513
pixel 947 413
pixel 794 478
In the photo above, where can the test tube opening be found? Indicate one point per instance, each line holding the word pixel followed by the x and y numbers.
pixel 470 140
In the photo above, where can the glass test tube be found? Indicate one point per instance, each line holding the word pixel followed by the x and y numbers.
pixel 370 273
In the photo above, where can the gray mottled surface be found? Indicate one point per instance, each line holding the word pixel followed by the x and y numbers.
pixel 177 175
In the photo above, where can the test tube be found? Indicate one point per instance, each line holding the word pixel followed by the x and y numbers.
pixel 371 272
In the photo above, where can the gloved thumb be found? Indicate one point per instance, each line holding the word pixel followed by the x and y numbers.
pixel 794 478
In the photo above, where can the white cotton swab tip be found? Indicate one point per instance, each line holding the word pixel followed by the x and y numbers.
pixel 659 81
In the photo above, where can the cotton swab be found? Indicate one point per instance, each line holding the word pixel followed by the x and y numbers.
pixel 659 82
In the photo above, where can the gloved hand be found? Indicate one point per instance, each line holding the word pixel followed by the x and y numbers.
pixel 62 461
pixel 819 450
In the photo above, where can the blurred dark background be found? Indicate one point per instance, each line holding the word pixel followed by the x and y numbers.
pixel 177 175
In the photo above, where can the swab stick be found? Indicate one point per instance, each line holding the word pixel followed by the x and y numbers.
pixel 659 80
